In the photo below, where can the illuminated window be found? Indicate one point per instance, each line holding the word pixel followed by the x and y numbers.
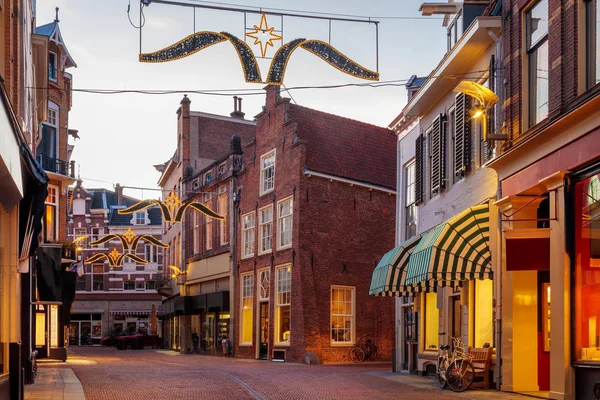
pixel 484 313
pixel 283 288
pixel 196 233
pixel 342 315
pixel 248 235
pixel 267 172
pixel 586 295
pixel 432 321
pixel 266 229
pixel 537 59
pixel 247 303
pixel 285 209
pixel 51 215
pixel 222 210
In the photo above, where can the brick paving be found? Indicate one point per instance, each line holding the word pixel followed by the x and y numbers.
pixel 156 375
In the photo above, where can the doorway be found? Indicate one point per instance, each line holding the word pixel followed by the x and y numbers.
pixel 410 338
pixel 264 331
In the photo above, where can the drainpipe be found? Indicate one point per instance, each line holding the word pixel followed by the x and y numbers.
pixel 234 262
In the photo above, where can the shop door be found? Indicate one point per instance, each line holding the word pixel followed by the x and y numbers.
pixel 544 330
pixel 85 330
pixel 74 334
pixel 410 336
pixel 208 332
pixel 42 344
pixel 264 331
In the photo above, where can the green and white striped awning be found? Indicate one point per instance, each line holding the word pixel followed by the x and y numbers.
pixel 454 251
pixel 388 275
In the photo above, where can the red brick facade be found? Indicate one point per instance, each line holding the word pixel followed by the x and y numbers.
pixel 339 230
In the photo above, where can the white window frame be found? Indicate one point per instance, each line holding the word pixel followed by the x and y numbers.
pixel 282 301
pixel 208 227
pixel 409 198
pixel 280 219
pixel 246 292
pixel 352 315
pixel 54 191
pixel 261 227
pixel 55 66
pixel 248 230
pixel 139 215
pixel 95 273
pixel 95 236
pixel 261 273
pixel 196 233
pixel 54 108
pixel 150 253
pixel 222 209
pixel 222 169
pixel 263 180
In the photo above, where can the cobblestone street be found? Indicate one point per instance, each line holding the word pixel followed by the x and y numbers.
pixel 106 373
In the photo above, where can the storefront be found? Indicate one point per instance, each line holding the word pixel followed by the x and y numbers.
pixel 85 328
pixel 583 219
pixel 209 322
pixel 130 321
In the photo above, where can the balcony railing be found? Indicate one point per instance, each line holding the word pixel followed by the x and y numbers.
pixel 61 167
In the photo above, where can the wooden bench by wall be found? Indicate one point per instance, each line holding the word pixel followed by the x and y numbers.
pixel 482 360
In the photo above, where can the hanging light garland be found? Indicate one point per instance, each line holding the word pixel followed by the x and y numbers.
pixel 129 240
pixel 114 258
pixel 172 208
pixel 264 36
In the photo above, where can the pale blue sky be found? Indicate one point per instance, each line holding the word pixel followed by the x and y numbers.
pixel 122 136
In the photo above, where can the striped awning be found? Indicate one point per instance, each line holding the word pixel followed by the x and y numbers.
pixel 388 275
pixel 454 251
pixel 130 312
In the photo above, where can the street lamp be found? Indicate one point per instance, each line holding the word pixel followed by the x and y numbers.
pixel 486 99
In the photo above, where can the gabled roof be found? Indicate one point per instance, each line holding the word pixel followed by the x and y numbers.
pixel 346 148
pixel 125 219
pixel 52 31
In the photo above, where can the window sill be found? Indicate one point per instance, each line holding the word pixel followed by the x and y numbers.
pixel 265 252
pixel 342 344
pixel 282 344
pixel 289 246
pixel 245 344
pixel 261 194
pixel 247 257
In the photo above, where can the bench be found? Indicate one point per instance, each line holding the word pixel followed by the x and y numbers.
pixel 482 360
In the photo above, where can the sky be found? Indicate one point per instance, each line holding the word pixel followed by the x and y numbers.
pixel 124 135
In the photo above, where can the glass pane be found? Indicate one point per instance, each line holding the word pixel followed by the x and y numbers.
pixel 537 23
pixel 587 270
pixel 539 77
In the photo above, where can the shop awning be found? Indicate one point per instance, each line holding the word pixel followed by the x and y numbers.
pixel 130 312
pixel 454 251
pixel 390 273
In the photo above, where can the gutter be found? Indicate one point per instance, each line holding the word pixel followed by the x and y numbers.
pixel 352 182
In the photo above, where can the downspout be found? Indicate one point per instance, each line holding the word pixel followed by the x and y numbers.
pixel 234 260
pixel 498 272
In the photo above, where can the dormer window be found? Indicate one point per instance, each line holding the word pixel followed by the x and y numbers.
pixel 207 177
pixel 52 67
pixel 455 30
pixel 140 218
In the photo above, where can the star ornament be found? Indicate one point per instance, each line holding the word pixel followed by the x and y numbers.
pixel 263 35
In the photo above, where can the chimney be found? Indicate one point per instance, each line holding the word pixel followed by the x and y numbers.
pixel 183 131
pixel 119 193
pixel 273 95
pixel 237 108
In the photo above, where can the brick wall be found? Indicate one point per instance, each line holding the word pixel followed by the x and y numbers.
pixel 339 233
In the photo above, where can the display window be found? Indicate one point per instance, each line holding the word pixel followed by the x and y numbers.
pixel 587 270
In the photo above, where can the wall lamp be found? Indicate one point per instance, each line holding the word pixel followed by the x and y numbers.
pixel 486 99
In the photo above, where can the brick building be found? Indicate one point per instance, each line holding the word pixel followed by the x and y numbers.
pixel 549 172
pixel 317 210
pixel 118 299
pixel 202 170
pixel 23 186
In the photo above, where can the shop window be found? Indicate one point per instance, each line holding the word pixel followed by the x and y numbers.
pixel 342 315
pixel 537 61
pixel 247 306
pixel 587 270
pixel 282 305
pixel 432 322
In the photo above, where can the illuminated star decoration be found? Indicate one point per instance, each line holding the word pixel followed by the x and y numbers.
pixel 115 259
pixel 129 240
pixel 172 208
pixel 260 34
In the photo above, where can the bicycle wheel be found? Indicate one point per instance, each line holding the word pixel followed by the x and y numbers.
pixel 460 375
pixel 357 354
pixel 441 372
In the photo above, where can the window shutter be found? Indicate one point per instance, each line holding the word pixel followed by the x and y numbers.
pixel 438 154
pixel 419 162
pixel 462 136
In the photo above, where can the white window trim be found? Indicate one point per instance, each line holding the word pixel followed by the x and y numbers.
pixel 208 221
pixel 353 335
pixel 261 299
pixel 196 233
pixel 223 224
pixel 242 276
pixel 260 232
pixel 279 232
pixel 275 342
pixel 54 107
pixel 56 66
pixel 92 273
pixel 244 256
pixel 262 157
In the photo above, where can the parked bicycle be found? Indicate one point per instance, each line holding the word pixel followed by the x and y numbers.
pixel 33 358
pixel 458 373
pixel 85 340
pixel 361 352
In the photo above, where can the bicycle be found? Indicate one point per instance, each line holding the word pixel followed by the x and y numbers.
pixel 360 352
pixel 458 374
